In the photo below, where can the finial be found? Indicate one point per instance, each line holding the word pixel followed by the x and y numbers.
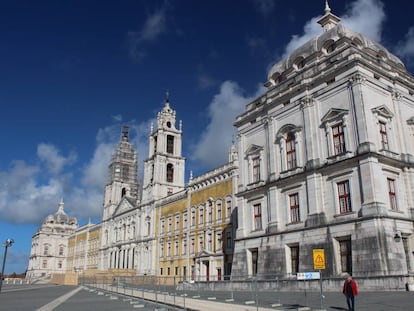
pixel 125 131
pixel 191 175
pixel 152 127
pixel 167 96
pixel 329 20
pixel 327 8
pixel 61 204
pixel 181 125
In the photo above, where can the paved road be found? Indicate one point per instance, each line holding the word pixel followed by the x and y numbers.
pixel 73 298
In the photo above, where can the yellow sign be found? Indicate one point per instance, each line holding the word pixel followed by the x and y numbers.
pixel 319 259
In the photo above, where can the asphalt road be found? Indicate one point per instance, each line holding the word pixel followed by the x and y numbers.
pixel 73 298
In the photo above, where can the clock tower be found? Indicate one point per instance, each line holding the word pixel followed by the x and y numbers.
pixel 164 169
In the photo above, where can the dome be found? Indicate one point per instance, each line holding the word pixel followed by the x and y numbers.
pixel 60 217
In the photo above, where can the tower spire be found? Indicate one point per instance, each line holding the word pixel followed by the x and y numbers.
pixel 329 20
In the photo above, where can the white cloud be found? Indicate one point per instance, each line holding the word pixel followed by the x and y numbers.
pixel 213 146
pixel 54 162
pixel 154 26
pixel 28 193
pixel 405 48
pixel 363 16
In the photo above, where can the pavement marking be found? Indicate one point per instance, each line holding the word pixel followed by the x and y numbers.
pixel 53 304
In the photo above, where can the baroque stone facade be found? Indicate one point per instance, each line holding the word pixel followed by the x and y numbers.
pixel 49 251
pixel 326 162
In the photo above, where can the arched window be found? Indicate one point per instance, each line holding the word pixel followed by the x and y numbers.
pixel 170 172
pixel 123 192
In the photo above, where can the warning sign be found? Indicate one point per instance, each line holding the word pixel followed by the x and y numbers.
pixel 319 259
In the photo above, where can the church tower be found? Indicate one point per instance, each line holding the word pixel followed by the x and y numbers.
pixel 164 169
pixel 123 179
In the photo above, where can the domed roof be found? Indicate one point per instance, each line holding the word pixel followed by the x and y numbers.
pixel 331 34
pixel 60 217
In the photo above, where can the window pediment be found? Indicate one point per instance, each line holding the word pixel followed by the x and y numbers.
pixel 253 149
pixel 334 114
pixel 287 128
pixel 383 111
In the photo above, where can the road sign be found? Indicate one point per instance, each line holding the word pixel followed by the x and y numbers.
pixel 319 259
pixel 308 276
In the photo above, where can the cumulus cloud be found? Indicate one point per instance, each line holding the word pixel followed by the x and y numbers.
pixel 405 48
pixel 30 192
pixel 213 146
pixel 364 16
pixel 53 160
pixel 154 26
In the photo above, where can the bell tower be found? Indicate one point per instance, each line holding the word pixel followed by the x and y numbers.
pixel 164 169
pixel 123 179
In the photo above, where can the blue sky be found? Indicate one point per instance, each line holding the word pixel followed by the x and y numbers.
pixel 72 72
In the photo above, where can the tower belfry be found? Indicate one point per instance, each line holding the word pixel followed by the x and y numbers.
pixel 165 166
pixel 122 177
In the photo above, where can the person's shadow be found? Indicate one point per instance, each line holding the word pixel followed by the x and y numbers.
pixel 338 308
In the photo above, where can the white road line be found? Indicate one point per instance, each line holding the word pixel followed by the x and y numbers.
pixel 53 304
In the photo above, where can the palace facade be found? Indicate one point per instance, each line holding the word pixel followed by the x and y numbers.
pixel 324 161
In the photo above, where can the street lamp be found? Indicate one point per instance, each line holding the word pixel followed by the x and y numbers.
pixel 6 245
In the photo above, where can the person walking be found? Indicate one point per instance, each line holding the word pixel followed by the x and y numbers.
pixel 350 290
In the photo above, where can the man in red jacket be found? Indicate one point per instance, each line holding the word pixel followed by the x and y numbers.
pixel 350 291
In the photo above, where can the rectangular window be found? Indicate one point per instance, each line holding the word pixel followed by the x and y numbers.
pixel 294 258
pixel 228 208
pixel 193 217
pixel 176 248
pixel 290 151
pixel 257 216
pixel 170 144
pixel 392 193
pixel 344 197
pixel 229 239
pixel 169 249
pixel 162 226
pixel 294 207
pixel 383 134
pixel 219 245
pixel 219 211
pixel 210 242
pixel 192 246
pixel 184 250
pixel 345 252
pixel 256 169
pixel 44 264
pixel 169 224
pixel 177 222
pixel 201 216
pixel 185 219
pixel 338 139
pixel 210 212
pixel 255 259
